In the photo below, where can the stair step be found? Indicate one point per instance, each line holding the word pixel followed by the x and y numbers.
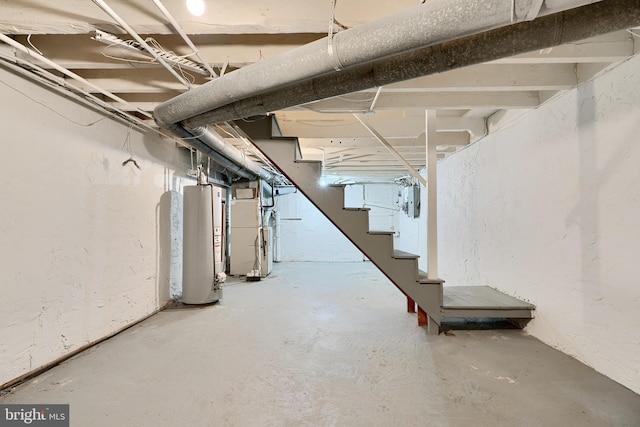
pixel 381 233
pixel 312 167
pixel 483 301
pixel 404 255
pixel 423 279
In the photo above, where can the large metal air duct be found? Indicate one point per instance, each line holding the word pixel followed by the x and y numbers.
pixel 552 30
pixel 433 22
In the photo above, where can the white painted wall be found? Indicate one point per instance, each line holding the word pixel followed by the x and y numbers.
pixel 546 209
pixel 382 200
pixel 307 235
pixel 87 245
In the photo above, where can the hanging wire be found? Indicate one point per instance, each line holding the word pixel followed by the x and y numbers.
pixel 53 110
pixel 335 21
pixel 127 146
pixel 187 76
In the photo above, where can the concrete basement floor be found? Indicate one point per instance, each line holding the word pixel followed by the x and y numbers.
pixel 323 344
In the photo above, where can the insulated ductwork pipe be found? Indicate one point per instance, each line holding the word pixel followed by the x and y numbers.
pixel 213 145
pixel 219 145
pixel 195 143
pixel 433 22
pixel 552 30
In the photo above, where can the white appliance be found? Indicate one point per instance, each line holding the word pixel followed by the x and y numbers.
pixel 251 243
pixel 203 267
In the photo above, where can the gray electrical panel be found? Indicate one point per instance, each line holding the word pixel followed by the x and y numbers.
pixel 413 201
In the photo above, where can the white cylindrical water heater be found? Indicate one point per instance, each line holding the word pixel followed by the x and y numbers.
pixel 199 284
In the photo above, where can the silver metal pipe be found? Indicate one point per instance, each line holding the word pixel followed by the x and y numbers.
pixel 281 190
pixel 433 22
pixel 105 7
pixel 227 229
pixel 195 142
pixel 277 240
pixel 217 143
pixel 184 36
pixel 550 30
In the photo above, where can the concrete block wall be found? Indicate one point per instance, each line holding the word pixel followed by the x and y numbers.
pixel 87 245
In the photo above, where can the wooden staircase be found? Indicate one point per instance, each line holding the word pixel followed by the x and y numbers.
pixel 400 267
pixel 429 296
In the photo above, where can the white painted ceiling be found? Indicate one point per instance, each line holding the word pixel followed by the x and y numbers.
pixel 231 34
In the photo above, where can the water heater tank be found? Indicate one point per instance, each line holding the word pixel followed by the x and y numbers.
pixel 199 285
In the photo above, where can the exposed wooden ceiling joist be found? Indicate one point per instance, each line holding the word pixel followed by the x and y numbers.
pixel 469 101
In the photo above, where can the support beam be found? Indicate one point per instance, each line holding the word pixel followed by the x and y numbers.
pixel 337 127
pixel 422 317
pixel 491 77
pixel 105 7
pixel 411 305
pixel 186 38
pixel 153 82
pixel 432 196
pixel 340 142
pixel 436 100
pixel 611 47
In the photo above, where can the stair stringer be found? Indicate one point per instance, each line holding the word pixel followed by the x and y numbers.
pixel 400 268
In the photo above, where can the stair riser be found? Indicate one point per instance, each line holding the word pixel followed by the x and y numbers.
pixel 380 245
pixel 299 171
pixel 400 270
pixel 331 197
pixel 281 152
pixel 350 222
pixel 373 248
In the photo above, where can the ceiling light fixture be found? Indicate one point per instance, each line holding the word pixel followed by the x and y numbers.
pixel 195 7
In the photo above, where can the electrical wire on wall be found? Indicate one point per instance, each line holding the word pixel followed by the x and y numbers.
pixel 53 110
pixel 127 146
